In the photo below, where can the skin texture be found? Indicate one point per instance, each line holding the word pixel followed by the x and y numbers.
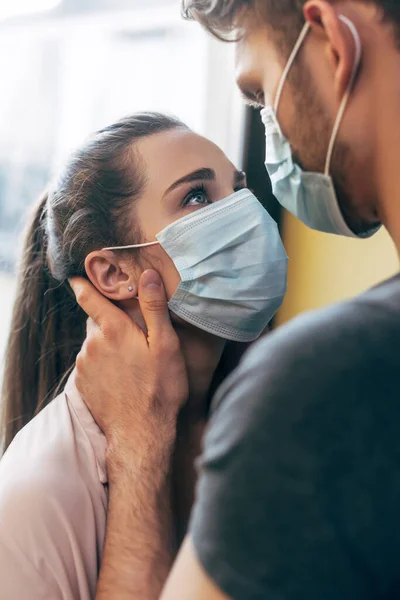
pixel 366 176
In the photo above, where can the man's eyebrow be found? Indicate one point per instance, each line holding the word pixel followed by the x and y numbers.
pixel 204 174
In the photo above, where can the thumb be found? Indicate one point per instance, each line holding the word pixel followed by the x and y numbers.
pixel 153 304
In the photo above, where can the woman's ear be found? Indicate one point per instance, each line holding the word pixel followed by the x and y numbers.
pixel 111 275
pixel 325 22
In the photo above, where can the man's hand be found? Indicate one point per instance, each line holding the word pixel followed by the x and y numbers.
pixel 134 384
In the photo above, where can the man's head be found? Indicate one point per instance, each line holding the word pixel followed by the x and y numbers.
pixel 265 32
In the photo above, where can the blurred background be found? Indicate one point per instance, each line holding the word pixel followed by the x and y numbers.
pixel 68 67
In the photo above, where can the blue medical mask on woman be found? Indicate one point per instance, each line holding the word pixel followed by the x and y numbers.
pixel 309 196
pixel 232 265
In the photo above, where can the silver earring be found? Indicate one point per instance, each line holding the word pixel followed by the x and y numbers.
pixel 130 289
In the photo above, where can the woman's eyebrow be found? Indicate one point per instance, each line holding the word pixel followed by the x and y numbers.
pixel 204 174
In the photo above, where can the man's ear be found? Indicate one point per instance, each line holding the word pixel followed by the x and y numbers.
pixel 111 275
pixel 325 22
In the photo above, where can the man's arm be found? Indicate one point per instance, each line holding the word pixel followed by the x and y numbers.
pixel 134 383
pixel 133 548
pixel 139 547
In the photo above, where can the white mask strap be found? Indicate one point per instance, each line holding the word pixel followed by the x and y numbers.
pixel 346 96
pixel 132 246
pixel 289 64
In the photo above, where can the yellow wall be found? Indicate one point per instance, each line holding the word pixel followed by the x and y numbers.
pixel 326 268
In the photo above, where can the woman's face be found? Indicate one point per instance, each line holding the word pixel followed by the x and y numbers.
pixel 184 173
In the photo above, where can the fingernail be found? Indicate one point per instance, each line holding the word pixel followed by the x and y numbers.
pixel 151 280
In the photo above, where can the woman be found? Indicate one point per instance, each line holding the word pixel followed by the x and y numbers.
pixel 128 200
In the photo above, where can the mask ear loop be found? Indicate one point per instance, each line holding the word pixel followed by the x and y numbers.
pixel 289 64
pixel 146 244
pixel 346 96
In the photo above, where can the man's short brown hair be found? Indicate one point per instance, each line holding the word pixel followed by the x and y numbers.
pixel 227 18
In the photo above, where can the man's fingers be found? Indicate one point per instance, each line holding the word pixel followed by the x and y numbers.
pixel 103 312
pixel 154 305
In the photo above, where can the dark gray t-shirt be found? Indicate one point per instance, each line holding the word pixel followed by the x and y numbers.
pixel 299 490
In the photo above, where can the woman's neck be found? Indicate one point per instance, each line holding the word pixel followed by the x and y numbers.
pixel 202 352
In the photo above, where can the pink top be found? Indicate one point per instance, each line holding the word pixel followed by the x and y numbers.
pixel 53 504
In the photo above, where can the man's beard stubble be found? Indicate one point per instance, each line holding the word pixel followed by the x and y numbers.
pixel 310 134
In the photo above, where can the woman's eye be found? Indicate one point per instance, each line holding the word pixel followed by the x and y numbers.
pixel 196 198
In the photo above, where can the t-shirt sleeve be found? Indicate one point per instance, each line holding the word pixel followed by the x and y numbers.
pixel 41 555
pixel 289 500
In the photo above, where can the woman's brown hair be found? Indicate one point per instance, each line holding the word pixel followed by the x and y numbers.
pixel 89 207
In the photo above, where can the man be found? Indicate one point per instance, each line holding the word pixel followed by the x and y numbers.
pixel 299 486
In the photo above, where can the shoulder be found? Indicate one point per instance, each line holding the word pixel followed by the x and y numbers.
pixel 311 383
pixel 40 474
pixel 46 473
pixel 52 518
pixel 365 323
pixel 344 347
pixel 42 451
pixel 42 528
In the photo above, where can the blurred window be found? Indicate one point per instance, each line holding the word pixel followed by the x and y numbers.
pixel 78 67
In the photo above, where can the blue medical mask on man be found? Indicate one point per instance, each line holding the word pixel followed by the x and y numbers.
pixel 309 196
pixel 232 265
